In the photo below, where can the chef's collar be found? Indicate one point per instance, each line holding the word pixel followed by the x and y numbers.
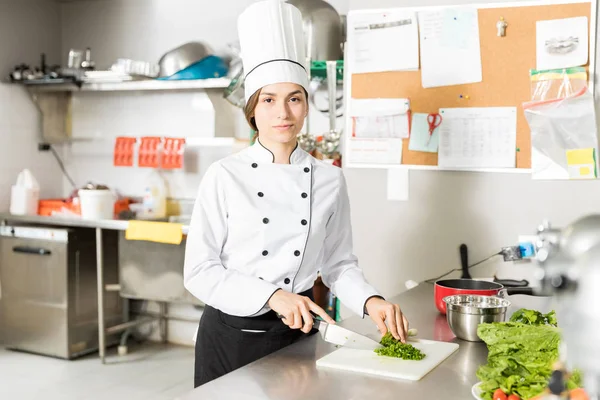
pixel 260 153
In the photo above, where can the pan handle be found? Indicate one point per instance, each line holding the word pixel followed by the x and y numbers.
pixel 509 291
pixel 521 290
pixel 464 261
pixel 512 282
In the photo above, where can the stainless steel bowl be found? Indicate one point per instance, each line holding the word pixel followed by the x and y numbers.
pixel 464 313
pixel 182 57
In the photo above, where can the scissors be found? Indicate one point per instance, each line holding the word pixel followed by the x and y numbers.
pixel 434 120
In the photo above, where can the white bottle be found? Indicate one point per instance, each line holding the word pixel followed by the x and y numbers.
pixel 154 203
pixel 25 195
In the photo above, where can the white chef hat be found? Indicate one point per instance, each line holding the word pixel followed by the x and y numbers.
pixel 272 45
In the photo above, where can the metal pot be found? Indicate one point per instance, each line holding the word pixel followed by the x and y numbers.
pixel 466 285
pixel 466 312
pixel 182 57
pixel 450 287
pixel 323 29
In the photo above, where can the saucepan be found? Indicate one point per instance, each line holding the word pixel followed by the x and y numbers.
pixel 451 287
pixel 467 286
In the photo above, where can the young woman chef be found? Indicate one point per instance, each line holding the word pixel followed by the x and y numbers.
pixel 268 219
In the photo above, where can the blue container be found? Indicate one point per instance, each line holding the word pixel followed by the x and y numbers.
pixel 208 67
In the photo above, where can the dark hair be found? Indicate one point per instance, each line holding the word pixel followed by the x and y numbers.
pixel 251 105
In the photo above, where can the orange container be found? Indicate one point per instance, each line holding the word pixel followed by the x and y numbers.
pixel 47 206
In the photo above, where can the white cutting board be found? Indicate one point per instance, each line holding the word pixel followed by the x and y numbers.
pixel 369 362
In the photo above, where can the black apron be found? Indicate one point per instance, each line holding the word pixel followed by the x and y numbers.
pixel 224 344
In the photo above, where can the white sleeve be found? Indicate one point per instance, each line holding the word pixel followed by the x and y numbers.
pixel 204 275
pixel 340 270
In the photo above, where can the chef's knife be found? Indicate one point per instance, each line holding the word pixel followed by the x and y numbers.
pixel 345 337
pixel 337 335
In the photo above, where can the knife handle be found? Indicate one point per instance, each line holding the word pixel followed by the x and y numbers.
pixel 316 320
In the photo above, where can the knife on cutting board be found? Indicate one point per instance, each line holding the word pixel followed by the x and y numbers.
pixel 345 337
pixel 337 335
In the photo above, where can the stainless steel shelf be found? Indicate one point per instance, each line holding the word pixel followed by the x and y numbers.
pixel 142 85
pixel 54 97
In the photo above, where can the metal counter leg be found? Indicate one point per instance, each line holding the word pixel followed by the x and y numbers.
pixel 100 284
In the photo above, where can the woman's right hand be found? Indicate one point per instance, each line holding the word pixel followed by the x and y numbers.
pixel 295 310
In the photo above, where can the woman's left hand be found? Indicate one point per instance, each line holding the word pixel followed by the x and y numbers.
pixel 383 312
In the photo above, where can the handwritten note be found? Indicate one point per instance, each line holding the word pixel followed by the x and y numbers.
pixel 478 137
pixel 450 48
pixel 375 151
pixel 380 118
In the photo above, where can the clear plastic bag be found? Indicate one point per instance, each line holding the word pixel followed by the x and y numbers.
pixel 557 83
pixel 562 120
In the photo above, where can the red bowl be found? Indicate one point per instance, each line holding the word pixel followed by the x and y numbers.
pixel 450 287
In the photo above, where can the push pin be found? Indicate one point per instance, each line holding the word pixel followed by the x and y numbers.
pixel 501 26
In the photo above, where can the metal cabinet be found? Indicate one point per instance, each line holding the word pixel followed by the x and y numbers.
pixel 49 294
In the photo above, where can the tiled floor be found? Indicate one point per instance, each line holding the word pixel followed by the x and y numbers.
pixel 150 372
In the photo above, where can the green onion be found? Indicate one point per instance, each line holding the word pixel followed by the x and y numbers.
pixel 395 348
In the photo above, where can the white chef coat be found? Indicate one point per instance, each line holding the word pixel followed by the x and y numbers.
pixel 258 226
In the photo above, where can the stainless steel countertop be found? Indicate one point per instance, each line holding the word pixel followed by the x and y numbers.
pixel 114 224
pixel 291 373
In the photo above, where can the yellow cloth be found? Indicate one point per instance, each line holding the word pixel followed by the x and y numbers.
pixel 161 232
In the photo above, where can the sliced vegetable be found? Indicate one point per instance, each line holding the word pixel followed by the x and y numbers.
pixel 513 397
pixel 395 348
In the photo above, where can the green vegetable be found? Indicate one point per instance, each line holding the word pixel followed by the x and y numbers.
pixel 395 348
pixel 520 354
pixel 532 317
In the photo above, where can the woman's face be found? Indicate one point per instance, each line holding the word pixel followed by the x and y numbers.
pixel 280 112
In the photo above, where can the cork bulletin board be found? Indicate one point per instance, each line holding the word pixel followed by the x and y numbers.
pixel 505 61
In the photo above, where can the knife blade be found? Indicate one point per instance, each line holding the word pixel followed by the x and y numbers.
pixel 337 335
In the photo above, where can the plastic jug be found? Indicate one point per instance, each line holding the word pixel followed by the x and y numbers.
pixel 154 202
pixel 25 195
